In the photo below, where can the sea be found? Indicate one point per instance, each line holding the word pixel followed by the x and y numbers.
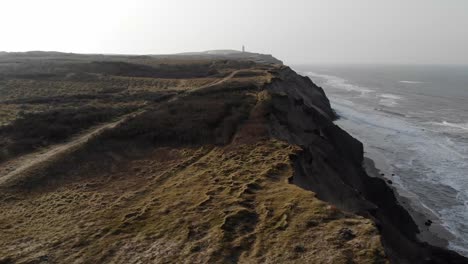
pixel 413 122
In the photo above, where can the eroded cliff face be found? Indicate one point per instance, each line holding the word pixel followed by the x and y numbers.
pixel 330 165
pixel 243 167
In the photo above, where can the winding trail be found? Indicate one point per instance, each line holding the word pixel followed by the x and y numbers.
pixel 225 79
pixel 16 166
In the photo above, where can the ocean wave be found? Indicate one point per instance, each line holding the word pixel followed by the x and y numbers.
pixel 423 162
pixel 391 112
pixel 389 100
pixel 340 83
pixel 462 126
pixel 391 96
pixel 341 101
pixel 412 82
pixel 424 154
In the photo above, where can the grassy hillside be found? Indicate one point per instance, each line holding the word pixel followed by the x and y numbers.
pixel 190 173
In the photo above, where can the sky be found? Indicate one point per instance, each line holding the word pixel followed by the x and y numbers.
pixel 296 31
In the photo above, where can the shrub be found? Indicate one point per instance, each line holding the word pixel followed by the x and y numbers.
pixel 35 130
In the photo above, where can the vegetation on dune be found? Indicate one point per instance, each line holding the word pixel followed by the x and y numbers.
pixel 53 69
pixel 191 120
pixel 194 177
pixel 205 204
pixel 39 110
pixel 33 131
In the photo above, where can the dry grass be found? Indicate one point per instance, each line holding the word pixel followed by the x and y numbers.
pixel 187 205
pixel 206 204
pixel 201 200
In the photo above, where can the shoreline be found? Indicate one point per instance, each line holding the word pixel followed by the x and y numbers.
pixel 435 234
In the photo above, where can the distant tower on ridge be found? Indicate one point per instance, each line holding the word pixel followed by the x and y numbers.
pixel 243 48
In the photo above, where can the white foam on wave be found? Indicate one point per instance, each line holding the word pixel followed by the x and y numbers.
pixel 412 151
pixel 340 83
pixel 391 96
pixel 342 101
pixel 389 100
pixel 462 126
pixel 412 82
pixel 430 167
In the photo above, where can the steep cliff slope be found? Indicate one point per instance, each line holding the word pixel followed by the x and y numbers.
pixel 239 162
pixel 330 165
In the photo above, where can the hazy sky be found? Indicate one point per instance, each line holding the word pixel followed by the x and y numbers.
pixel 297 31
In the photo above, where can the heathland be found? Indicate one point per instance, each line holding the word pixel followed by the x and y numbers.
pixel 223 157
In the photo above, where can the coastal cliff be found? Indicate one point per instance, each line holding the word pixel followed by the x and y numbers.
pixel 182 159
pixel 330 165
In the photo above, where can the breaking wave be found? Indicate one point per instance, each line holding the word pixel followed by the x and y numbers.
pixel 411 82
pixel 461 126
pixel 340 83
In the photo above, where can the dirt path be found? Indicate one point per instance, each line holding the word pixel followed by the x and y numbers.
pixel 20 164
pixel 14 167
pixel 225 79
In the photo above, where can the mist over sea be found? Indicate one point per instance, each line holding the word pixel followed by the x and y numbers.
pixel 413 121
